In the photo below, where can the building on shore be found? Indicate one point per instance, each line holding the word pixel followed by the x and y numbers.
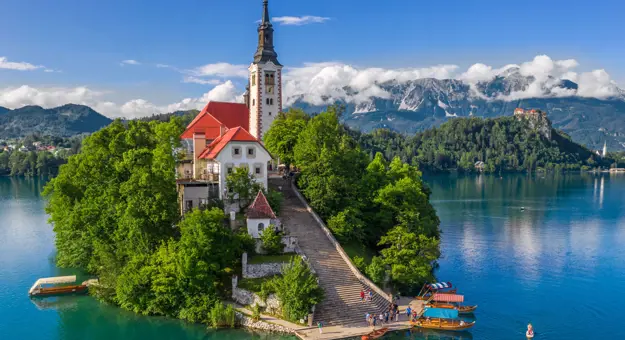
pixel 537 120
pixel 228 135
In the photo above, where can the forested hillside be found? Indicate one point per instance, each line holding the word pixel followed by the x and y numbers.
pixel 504 145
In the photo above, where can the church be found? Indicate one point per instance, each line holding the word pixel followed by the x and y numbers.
pixel 228 135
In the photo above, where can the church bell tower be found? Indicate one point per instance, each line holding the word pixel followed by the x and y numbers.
pixel 265 80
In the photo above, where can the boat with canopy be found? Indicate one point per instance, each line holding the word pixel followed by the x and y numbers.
pixel 40 287
pixel 450 301
pixel 430 288
pixel 441 318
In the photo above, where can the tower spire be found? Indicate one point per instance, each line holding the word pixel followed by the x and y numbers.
pixel 265 51
pixel 266 12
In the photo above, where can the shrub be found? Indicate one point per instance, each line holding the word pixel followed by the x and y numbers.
pixel 274 198
pixel 222 316
pixel 272 240
pixel 376 270
pixel 297 289
pixel 256 313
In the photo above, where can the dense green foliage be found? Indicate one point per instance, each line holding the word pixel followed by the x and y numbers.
pixel 364 199
pixel 297 289
pixel 272 240
pixel 115 212
pixel 503 144
pixel 222 316
pixel 242 187
pixel 283 135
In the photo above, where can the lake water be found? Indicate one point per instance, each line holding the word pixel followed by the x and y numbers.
pixel 559 263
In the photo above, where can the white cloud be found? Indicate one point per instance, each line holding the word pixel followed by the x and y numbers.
pixel 196 80
pixel 18 66
pixel 129 62
pixel 299 21
pixel 47 97
pixel 323 83
pixel 224 70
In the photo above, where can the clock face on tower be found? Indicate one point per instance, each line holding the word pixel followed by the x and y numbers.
pixel 269 89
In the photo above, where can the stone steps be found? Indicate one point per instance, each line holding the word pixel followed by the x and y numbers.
pixel 342 304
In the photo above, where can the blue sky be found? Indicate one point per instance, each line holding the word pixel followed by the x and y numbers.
pixel 81 44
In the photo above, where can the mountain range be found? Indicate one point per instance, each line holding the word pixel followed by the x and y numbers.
pixel 423 103
pixel 406 107
pixel 63 121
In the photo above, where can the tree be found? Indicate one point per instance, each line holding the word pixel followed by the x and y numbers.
pixel 409 256
pixel 282 137
pixel 347 225
pixel 297 289
pixel 272 240
pixel 274 198
pixel 242 186
pixel 116 196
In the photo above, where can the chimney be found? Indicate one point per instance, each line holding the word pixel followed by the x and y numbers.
pixel 199 144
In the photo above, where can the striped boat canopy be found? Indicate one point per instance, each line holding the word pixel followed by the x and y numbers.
pixel 440 285
pixel 442 297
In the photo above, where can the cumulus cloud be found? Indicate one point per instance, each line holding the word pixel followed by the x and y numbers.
pixel 299 21
pixel 47 97
pixel 323 83
pixel 52 97
pixel 130 62
pixel 224 70
pixel 18 66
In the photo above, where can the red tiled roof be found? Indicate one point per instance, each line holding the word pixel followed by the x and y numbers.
pixel 216 114
pixel 237 134
pixel 204 123
pixel 260 208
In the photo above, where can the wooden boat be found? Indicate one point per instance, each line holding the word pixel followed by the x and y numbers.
pixel 428 295
pixel 375 334
pixel 461 309
pixel 38 288
pixel 443 324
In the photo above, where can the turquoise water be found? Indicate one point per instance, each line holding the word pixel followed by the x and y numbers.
pixel 559 263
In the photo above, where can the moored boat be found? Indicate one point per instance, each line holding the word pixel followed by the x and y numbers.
pixel 38 288
pixel 461 309
pixel 375 334
pixel 441 318
pixel 429 289
pixel 441 323
pixel 450 301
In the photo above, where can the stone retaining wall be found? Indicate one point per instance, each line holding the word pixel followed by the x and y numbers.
pixel 248 322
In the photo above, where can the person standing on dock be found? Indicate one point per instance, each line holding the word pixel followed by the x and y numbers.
pixel 320 325
pixel 408 312
pixel 370 295
pixel 367 319
pixel 362 295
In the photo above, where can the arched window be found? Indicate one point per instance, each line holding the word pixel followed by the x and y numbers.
pixel 261 227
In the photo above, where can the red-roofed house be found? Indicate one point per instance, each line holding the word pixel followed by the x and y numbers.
pixel 259 215
pixel 226 135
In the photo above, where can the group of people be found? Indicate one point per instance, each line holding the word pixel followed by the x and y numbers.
pixel 386 317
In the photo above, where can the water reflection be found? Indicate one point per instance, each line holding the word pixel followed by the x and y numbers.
pixel 525 247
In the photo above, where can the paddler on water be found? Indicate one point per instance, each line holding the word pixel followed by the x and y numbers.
pixel 530 331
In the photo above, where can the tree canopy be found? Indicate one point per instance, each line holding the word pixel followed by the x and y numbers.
pixel 363 199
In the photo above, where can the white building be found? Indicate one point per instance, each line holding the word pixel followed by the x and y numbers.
pixel 259 216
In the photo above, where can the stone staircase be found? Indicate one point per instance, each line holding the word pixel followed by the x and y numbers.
pixel 342 287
